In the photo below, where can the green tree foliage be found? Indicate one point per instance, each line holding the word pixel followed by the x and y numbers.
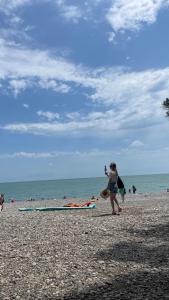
pixel 166 106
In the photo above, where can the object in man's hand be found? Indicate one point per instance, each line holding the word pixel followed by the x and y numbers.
pixel 105 193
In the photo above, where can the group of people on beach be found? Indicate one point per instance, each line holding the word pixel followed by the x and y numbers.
pixel 115 185
pixel 133 189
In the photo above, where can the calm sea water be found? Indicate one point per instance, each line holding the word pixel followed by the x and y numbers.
pixel 85 187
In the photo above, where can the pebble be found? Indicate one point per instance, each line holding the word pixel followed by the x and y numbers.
pixel 48 256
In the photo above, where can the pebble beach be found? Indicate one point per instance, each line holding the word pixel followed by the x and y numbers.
pixel 87 254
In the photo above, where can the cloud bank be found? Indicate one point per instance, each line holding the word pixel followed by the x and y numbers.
pixel 128 98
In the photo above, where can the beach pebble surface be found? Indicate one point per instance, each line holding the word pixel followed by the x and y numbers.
pixel 87 254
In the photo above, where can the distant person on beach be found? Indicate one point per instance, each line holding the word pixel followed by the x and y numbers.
pixel 121 188
pixel 134 189
pixel 112 187
pixel 13 201
pixel 1 202
pixel 129 191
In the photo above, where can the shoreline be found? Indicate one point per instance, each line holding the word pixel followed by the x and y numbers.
pixel 83 188
pixel 128 197
pixel 86 254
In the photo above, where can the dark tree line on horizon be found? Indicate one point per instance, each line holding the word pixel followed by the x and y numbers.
pixel 166 106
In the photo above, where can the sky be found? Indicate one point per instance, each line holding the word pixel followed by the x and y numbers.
pixel 81 85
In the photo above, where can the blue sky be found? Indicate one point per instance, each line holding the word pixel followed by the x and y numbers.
pixel 81 85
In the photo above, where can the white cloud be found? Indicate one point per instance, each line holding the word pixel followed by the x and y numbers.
pixel 85 126
pixel 19 62
pixel 71 13
pixel 22 68
pixel 132 14
pixel 51 116
pixel 95 115
pixel 10 5
pixel 124 87
pixel 25 105
pixel 23 154
pixel 136 144
pixel 47 128
pixel 54 154
pixel 106 123
pixel 111 37
pixel 13 26
pixel 73 116
pixel 18 85
pixel 55 86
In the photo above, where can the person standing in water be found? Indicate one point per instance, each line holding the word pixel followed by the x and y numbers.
pixel 134 189
pixel 112 187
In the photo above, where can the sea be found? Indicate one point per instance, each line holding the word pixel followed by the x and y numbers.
pixel 79 188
